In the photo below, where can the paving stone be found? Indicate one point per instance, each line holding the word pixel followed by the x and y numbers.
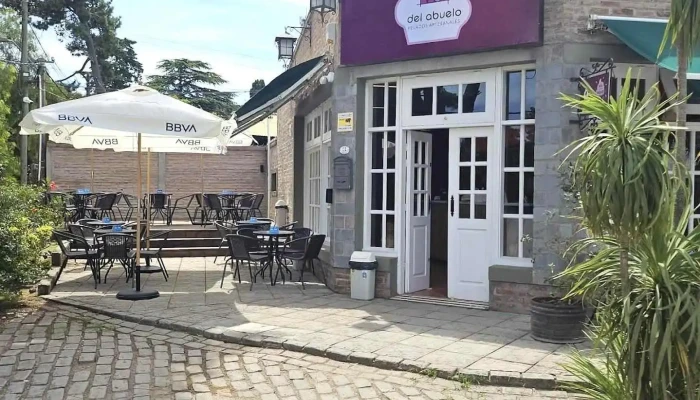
pixel 142 363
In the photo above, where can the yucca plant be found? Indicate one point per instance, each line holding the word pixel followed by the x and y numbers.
pixel 644 277
pixel 650 338
pixel 622 166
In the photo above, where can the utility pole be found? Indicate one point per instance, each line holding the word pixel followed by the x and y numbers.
pixel 24 72
pixel 42 142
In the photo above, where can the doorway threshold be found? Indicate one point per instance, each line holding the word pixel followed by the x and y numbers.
pixel 475 305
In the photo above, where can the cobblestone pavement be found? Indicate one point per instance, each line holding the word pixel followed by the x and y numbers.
pixel 385 333
pixel 59 352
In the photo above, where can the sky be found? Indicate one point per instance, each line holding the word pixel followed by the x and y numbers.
pixel 236 37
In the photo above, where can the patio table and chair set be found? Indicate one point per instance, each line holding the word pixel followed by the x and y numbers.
pixel 199 208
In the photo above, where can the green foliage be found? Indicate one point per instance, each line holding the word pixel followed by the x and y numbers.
pixel 89 29
pixel 644 277
pixel 190 81
pixel 622 167
pixel 9 165
pixel 257 86
pixel 26 225
pixel 683 28
pixel 654 332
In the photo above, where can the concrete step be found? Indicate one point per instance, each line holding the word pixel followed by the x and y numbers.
pixel 187 242
pixel 191 233
pixel 183 252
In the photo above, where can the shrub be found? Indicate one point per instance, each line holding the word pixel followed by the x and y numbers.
pixel 26 224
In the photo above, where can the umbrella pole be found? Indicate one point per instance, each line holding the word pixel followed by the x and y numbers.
pixel 148 195
pixel 137 294
pixel 201 171
pixel 92 171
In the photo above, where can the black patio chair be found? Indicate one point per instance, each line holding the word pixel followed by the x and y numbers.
pixel 116 247
pixel 240 251
pixel 257 203
pixel 149 253
pixel 131 203
pixel 82 252
pixel 158 203
pixel 289 227
pixel 224 231
pixel 215 209
pixel 103 206
pixel 245 206
pixel 312 249
pixel 189 201
pixel 250 233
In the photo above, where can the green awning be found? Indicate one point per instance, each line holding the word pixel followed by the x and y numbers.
pixel 644 35
pixel 278 92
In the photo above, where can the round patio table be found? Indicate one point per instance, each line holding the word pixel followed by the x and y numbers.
pixel 272 252
pixel 107 224
pixel 106 231
pixel 252 225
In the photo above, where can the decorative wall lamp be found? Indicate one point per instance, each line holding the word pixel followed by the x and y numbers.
pixel 324 7
pixel 285 48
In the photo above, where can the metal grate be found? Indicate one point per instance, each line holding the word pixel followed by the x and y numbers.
pixel 475 305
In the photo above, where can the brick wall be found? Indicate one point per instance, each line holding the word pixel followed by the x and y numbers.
pixel 238 170
pixel 515 297
pixel 70 169
pixel 284 158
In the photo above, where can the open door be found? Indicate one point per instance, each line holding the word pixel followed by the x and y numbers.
pixel 469 213
pixel 419 169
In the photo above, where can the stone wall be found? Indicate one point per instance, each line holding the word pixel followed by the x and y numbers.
pixel 565 21
pixel 179 174
pixel 568 47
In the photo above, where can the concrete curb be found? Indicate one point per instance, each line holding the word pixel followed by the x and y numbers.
pixel 46 285
pixel 499 378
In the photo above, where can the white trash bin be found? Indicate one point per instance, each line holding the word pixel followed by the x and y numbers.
pixel 363 270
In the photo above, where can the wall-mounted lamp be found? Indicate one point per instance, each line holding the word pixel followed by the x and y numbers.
pixel 324 7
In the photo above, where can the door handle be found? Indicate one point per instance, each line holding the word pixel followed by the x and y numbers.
pixel 452 206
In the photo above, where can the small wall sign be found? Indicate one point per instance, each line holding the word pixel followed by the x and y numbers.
pixel 344 150
pixel 346 122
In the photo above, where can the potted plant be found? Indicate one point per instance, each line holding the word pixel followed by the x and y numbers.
pixel 554 318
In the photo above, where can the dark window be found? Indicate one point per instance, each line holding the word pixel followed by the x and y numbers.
pixel 513 95
pixel 273 182
pixel 422 103
pixel 474 98
pixel 448 99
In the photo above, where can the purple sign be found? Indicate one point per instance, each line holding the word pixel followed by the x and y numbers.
pixel 600 83
pixel 377 31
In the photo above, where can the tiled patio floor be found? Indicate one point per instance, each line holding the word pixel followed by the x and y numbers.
pixel 393 332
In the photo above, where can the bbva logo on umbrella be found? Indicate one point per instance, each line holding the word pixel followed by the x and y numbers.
pixel 106 142
pixel 74 118
pixel 172 127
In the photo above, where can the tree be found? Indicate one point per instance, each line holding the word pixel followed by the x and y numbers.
pixel 191 81
pixel 683 33
pixel 257 86
pixel 90 30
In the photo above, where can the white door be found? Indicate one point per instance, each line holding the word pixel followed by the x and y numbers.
pixel 419 168
pixel 469 213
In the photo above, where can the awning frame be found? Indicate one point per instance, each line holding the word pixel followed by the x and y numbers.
pixel 262 112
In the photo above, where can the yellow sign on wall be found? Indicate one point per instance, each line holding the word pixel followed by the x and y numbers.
pixel 346 122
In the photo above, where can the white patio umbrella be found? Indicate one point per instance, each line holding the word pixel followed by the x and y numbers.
pixel 136 110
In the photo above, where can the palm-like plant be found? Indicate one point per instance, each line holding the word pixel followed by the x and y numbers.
pixel 682 32
pixel 651 338
pixel 622 167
